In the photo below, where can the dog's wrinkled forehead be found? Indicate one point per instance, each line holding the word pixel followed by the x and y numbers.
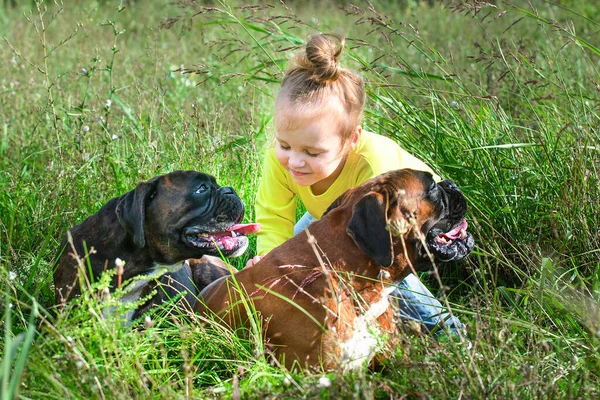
pixel 403 184
pixel 187 180
pixel 393 186
pixel 417 183
pixel 183 190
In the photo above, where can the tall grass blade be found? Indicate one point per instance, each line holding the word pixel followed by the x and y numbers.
pixel 16 349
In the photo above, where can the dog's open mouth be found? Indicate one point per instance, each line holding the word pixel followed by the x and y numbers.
pixel 452 245
pixel 459 232
pixel 228 241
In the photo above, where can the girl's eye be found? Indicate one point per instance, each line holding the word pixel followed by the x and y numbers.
pixel 312 154
pixel 203 188
pixel 284 147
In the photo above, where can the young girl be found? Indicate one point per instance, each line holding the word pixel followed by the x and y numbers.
pixel 321 151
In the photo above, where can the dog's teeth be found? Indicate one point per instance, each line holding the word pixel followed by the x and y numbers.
pixel 442 240
pixel 233 234
pixel 203 235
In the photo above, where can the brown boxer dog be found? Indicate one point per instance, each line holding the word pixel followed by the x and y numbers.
pixel 156 227
pixel 323 298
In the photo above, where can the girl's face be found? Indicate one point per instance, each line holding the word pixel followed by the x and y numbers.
pixel 309 144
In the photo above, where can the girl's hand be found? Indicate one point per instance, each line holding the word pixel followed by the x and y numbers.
pixel 253 261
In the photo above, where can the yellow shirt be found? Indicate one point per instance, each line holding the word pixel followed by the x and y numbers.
pixel 277 192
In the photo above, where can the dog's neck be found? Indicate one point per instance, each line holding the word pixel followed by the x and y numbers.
pixel 137 261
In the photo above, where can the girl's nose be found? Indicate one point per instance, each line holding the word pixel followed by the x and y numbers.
pixel 296 161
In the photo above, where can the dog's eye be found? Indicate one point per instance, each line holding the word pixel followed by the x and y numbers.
pixel 433 193
pixel 203 188
pixel 433 189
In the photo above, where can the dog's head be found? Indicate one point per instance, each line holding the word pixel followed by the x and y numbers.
pixel 188 215
pixel 405 212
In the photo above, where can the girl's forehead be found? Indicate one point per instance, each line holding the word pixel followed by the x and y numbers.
pixel 292 115
pixel 315 133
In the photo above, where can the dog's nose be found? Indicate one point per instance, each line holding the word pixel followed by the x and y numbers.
pixel 228 190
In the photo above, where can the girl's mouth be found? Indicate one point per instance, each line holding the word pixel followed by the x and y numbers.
pixel 297 173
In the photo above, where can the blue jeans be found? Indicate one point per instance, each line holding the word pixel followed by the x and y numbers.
pixel 414 300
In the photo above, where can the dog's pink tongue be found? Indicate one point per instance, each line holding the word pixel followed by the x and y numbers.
pixel 245 229
pixel 456 233
pixel 228 242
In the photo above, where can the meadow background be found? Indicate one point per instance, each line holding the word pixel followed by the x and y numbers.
pixel 502 97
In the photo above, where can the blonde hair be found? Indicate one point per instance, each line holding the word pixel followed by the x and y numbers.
pixel 315 74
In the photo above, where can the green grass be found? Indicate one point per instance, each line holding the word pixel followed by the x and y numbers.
pixel 503 99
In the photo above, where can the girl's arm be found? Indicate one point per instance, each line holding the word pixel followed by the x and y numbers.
pixel 275 206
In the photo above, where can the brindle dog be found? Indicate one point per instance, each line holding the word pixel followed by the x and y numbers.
pixel 163 222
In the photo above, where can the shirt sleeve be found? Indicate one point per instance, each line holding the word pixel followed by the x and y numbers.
pixel 275 206
pixel 381 154
pixel 407 160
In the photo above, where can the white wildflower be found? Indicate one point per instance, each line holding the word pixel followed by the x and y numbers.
pixel 12 275
pixel 324 382
pixel 106 294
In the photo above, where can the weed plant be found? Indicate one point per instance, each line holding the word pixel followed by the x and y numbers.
pixel 502 97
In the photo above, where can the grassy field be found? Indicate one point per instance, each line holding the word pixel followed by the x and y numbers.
pixel 504 99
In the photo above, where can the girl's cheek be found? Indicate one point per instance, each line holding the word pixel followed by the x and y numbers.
pixel 280 155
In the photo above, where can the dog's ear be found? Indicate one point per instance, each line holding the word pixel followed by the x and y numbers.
pixel 131 210
pixel 368 228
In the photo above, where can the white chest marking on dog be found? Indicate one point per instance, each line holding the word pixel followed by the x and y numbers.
pixel 133 291
pixel 367 337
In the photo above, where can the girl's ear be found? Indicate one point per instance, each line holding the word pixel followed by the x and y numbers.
pixel 355 137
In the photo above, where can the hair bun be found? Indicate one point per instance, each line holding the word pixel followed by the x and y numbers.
pixel 323 51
